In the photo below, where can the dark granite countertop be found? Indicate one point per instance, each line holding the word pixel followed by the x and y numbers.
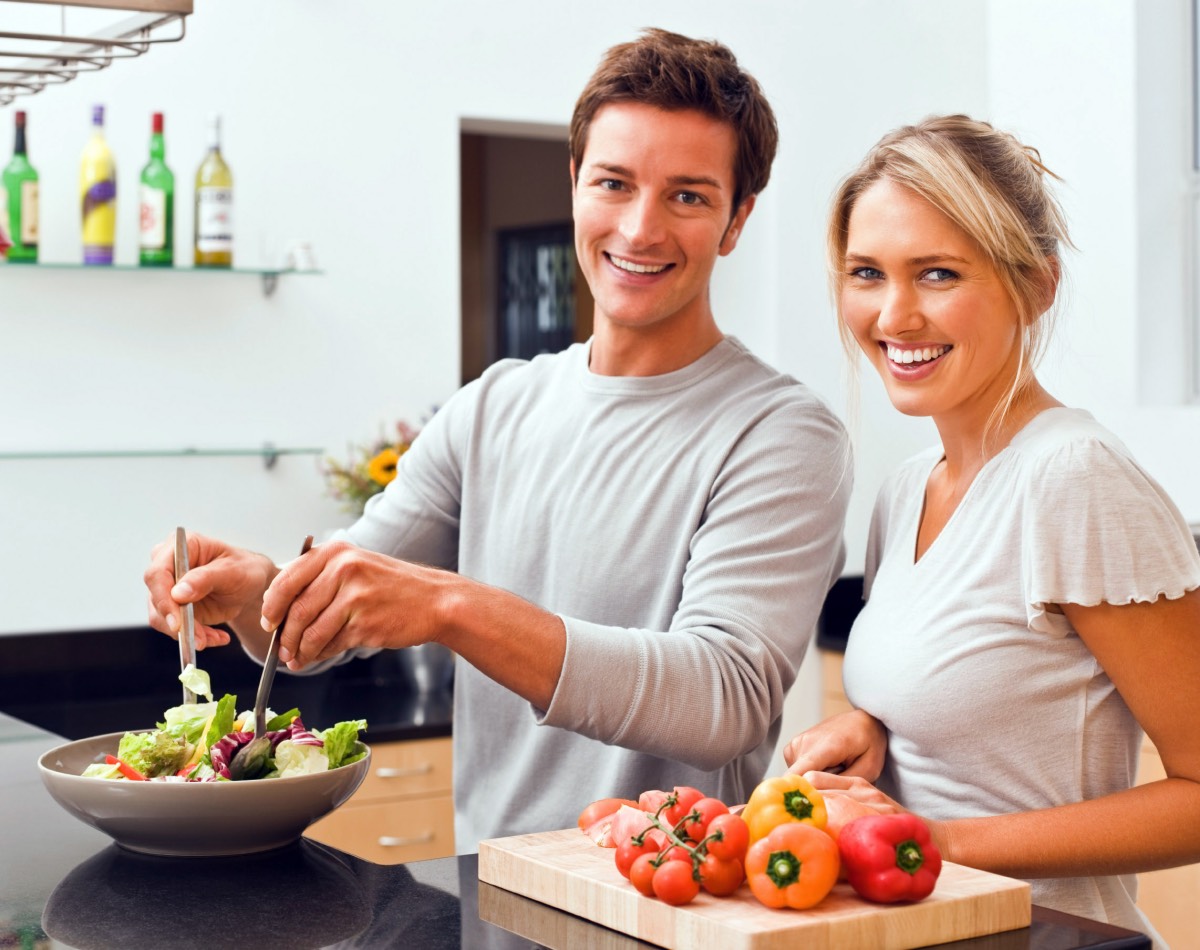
pixel 64 880
pixel 86 683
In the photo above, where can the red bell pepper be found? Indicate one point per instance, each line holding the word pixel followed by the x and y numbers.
pixel 125 768
pixel 890 858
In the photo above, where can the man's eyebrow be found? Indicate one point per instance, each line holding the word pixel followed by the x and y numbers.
pixel 676 180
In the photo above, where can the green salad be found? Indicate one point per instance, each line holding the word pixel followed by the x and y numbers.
pixel 195 742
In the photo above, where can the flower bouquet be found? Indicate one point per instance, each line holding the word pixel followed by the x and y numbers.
pixel 370 469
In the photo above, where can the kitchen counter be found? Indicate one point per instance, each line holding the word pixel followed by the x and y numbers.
pixel 64 880
pixel 91 682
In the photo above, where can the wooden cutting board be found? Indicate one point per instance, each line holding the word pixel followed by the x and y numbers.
pixel 565 869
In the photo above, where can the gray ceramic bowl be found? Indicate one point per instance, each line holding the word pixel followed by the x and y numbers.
pixel 193 819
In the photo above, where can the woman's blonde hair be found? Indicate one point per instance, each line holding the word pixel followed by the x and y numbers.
pixel 995 189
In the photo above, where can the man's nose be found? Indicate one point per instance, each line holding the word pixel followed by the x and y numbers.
pixel 642 221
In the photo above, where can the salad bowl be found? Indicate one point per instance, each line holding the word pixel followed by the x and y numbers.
pixel 193 819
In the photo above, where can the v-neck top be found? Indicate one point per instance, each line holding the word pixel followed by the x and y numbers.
pixel 993 704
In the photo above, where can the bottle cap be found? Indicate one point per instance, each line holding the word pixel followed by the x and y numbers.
pixel 20 118
pixel 156 123
pixel 97 115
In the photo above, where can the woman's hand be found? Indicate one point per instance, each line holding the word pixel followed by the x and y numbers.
pixel 225 584
pixel 853 743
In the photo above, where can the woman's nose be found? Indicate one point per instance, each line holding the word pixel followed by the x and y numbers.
pixel 900 310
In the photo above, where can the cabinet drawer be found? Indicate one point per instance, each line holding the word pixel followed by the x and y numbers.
pixel 391 832
pixel 417 768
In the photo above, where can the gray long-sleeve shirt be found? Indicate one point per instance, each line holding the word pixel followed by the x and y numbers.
pixel 685 527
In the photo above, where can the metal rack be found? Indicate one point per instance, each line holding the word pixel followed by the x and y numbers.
pixel 32 60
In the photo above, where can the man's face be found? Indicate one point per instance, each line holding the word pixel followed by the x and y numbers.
pixel 652 205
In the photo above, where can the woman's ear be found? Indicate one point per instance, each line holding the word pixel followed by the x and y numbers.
pixel 1049 288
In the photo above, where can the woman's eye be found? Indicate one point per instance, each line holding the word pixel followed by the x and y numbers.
pixel 865 273
pixel 940 275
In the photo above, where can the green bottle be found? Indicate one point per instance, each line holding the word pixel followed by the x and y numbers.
pixel 19 201
pixel 156 247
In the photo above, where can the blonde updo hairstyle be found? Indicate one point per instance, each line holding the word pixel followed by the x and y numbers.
pixel 994 188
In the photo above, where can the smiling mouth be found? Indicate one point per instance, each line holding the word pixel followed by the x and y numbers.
pixel 634 268
pixel 918 354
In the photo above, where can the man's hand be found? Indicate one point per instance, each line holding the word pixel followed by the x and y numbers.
pixel 225 584
pixel 852 743
pixel 338 596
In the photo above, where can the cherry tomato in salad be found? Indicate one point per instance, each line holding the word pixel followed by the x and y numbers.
pixel 674 883
pixel 641 874
pixel 707 808
pixel 728 837
pixel 721 877
pixel 628 852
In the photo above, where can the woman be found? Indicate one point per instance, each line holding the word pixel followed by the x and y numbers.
pixel 1031 593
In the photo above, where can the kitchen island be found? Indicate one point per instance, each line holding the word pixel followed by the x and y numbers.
pixel 64 884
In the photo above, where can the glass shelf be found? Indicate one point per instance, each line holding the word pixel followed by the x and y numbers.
pixel 269 454
pixel 269 275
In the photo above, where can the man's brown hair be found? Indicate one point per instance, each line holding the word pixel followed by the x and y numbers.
pixel 669 71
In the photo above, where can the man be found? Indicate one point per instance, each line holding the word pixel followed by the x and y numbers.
pixel 626 544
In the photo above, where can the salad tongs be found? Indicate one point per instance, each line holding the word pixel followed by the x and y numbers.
pixel 187 632
pixel 250 761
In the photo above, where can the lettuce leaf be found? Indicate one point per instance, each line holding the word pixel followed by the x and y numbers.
pixel 294 758
pixel 197 681
pixel 154 753
pixel 340 739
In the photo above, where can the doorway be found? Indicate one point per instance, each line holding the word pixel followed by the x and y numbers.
pixel 522 291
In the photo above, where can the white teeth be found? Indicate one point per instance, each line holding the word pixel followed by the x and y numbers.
pixel 897 355
pixel 637 268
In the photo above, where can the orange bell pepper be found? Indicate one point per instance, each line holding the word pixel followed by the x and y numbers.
pixel 795 866
pixel 776 801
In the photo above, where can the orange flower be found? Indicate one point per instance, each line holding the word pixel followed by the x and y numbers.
pixel 382 468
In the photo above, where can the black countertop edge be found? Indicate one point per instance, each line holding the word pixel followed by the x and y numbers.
pixel 82 683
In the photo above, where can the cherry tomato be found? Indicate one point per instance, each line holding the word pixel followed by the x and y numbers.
pixel 641 873
pixel 677 853
pixel 708 809
pixel 628 852
pixel 685 798
pixel 601 809
pixel 673 883
pixel 721 878
pixel 734 837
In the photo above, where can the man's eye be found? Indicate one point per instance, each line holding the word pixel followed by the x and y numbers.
pixel 690 198
pixel 610 184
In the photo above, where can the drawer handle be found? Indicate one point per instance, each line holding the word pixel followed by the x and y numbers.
pixel 387 841
pixel 423 769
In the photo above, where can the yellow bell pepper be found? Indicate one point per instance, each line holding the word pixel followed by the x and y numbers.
pixel 777 801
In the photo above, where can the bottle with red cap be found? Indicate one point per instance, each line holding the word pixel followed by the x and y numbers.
pixel 156 246
pixel 19 201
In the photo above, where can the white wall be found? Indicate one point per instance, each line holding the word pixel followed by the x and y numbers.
pixel 341 125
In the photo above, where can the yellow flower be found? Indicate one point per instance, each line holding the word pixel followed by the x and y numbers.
pixel 382 468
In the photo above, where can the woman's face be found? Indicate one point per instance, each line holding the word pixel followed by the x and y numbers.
pixel 928 309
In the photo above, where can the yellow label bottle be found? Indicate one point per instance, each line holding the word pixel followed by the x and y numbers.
pixel 214 205
pixel 98 195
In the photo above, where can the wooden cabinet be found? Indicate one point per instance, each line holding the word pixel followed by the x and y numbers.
pixel 1170 898
pixel 403 811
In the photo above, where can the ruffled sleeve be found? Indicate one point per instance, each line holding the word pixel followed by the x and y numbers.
pixel 1098 529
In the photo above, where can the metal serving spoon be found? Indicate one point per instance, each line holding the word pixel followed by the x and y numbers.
pixel 250 761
